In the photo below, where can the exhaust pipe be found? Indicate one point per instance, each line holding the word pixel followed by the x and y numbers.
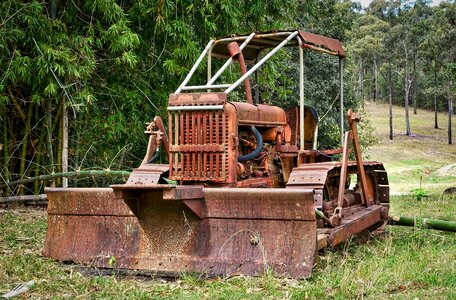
pixel 236 53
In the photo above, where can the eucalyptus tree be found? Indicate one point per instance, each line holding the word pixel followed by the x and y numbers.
pixel 417 19
pixel 432 45
pixel 367 46
pixel 446 16
pixel 400 33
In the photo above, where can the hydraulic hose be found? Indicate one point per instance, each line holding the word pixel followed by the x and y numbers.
pixel 157 153
pixel 259 147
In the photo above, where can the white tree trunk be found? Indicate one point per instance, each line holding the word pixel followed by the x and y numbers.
pixel 64 144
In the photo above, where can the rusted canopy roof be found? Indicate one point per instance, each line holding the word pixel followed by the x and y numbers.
pixel 327 43
pixel 264 40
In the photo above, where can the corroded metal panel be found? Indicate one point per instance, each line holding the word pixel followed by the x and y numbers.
pixel 250 246
pixel 86 239
pixel 260 114
pixel 254 203
pixel 242 231
pixel 201 146
pixel 86 201
pixel 372 216
pixel 330 44
pixel 185 99
pixel 146 174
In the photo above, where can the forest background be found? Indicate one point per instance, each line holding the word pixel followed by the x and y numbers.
pixel 103 69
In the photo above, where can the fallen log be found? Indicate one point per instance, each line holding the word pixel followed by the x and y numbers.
pixel 93 173
pixel 22 199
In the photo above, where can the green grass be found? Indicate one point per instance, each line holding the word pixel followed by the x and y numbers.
pixel 425 158
pixel 402 263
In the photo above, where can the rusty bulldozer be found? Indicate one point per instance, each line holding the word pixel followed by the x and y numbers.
pixel 245 189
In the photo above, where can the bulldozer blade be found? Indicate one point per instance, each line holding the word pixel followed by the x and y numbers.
pixel 216 231
pixel 90 225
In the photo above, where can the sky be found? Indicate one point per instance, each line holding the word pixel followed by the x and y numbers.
pixel 365 3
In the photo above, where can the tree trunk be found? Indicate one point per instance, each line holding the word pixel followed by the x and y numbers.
pixel 5 150
pixel 59 145
pixel 64 143
pixel 76 155
pixel 415 83
pixel 39 155
pixel 376 81
pixel 27 131
pixel 49 149
pixel 361 80
pixel 390 95
pixel 407 91
pixel 450 113
pixel 53 8
pixel 436 109
pixel 18 107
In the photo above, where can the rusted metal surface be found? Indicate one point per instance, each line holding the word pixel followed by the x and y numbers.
pixel 261 182
pixel 250 246
pixel 216 231
pixel 310 125
pixel 337 216
pixel 85 239
pixel 353 119
pixel 322 240
pixel 236 52
pixel 238 230
pixel 238 246
pixel 311 176
pixel 85 201
pixel 201 145
pixel 325 177
pixel 259 204
pixel 146 174
pixel 85 224
pixel 159 123
pixel 333 45
pixel 197 99
pixel 265 40
pixel 369 218
pixel 204 144
pixel 259 115
pixel 184 192
pixel 157 137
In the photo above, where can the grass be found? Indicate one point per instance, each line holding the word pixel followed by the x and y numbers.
pixel 425 158
pixel 402 263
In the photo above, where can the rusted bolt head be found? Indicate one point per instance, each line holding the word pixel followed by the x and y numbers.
pixel 254 240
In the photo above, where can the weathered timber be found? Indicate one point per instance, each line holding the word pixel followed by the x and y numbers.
pixel 93 173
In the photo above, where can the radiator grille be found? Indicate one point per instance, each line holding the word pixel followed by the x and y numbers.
pixel 198 145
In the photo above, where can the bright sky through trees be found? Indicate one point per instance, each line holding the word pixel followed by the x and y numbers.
pixel 365 3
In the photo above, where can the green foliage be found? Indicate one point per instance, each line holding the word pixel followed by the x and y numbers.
pixel 112 63
pixel 413 33
pixel 419 193
pixel 335 19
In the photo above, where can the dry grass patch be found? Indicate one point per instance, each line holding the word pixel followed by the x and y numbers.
pixel 424 157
